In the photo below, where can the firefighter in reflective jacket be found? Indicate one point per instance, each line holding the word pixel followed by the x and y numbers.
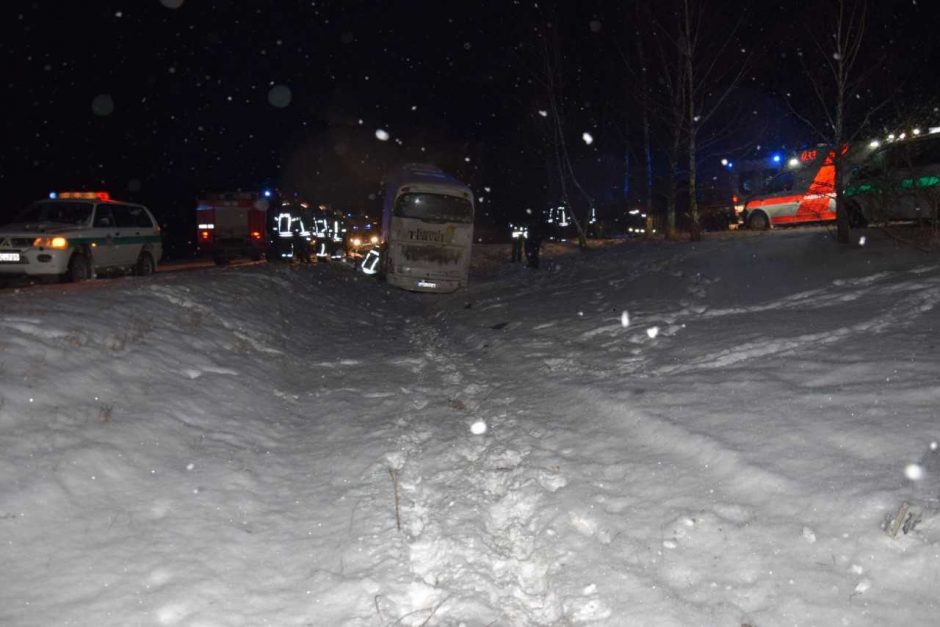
pixel 337 236
pixel 321 231
pixel 519 233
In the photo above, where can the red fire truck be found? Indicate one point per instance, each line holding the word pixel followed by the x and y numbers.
pixel 232 225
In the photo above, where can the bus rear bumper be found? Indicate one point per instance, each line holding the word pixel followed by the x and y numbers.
pixel 423 284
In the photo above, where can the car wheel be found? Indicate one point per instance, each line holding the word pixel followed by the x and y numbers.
pixel 144 265
pixel 758 221
pixel 856 217
pixel 79 269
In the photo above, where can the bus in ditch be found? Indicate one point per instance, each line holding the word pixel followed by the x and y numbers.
pixel 427 230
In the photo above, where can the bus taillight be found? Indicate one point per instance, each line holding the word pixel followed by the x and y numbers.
pixel 256 235
pixel 205 235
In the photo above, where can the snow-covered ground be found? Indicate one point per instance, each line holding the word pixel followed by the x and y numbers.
pixel 675 434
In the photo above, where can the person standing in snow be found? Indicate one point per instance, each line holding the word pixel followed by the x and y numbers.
pixel 533 242
pixel 518 233
pixel 300 245
pixel 336 233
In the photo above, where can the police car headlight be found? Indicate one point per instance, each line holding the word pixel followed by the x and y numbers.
pixel 58 243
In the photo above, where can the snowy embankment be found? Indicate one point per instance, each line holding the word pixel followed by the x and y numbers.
pixel 675 434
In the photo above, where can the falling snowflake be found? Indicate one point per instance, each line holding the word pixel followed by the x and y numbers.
pixel 914 472
pixel 102 105
pixel 652 332
pixel 625 320
pixel 543 113
pixel 861 241
pixel 382 135
pixel 587 138
pixel 478 428
pixel 279 96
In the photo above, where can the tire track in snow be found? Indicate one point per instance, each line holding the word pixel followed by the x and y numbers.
pixel 904 312
pixel 674 543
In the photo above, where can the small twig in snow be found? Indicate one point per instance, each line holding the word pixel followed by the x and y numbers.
pixel 377 608
pixel 394 475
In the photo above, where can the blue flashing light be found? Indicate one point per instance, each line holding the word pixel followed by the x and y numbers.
pixel 776 158
pixel 53 195
pixel 730 165
pixel 267 193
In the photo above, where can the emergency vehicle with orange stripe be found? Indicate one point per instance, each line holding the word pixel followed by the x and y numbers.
pixel 801 192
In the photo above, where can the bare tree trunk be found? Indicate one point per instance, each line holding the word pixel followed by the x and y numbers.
pixel 835 88
pixel 626 173
pixel 561 146
pixel 673 160
pixel 695 232
pixel 842 215
pixel 670 193
pixel 647 161
pixel 645 119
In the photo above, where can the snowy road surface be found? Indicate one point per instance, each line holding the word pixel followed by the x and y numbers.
pixel 649 434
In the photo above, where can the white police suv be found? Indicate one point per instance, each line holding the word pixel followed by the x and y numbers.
pixel 76 235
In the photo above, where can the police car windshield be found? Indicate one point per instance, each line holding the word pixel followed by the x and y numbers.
pixel 56 212
pixel 434 208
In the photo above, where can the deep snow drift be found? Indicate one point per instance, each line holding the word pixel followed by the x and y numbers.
pixel 648 434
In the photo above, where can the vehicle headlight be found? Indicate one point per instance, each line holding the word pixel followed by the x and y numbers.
pixel 58 242
pixel 356 241
pixel 374 239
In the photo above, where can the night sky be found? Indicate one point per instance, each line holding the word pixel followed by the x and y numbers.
pixel 158 101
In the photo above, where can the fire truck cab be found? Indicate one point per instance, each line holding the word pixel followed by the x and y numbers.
pixel 231 225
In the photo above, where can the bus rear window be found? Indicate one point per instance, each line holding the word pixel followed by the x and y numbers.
pixel 434 208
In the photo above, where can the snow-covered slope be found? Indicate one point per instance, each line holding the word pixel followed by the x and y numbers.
pixel 647 434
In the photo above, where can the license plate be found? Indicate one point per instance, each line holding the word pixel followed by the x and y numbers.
pixel 10 257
